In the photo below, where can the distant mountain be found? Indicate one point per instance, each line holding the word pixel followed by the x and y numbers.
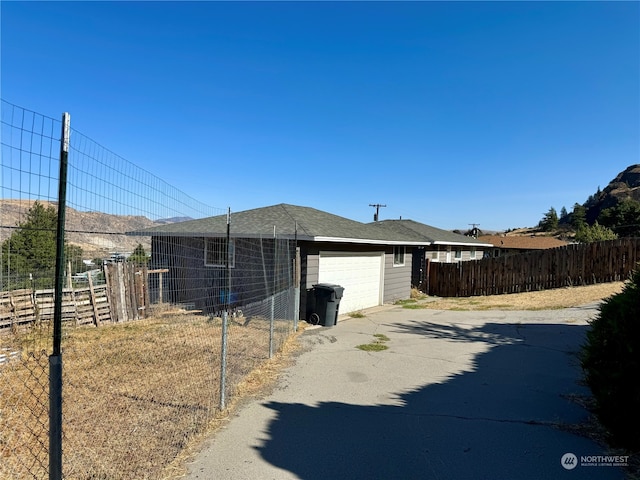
pixel 98 234
pixel 626 185
pixel 164 221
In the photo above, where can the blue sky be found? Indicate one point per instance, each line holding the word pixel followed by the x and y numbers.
pixel 450 113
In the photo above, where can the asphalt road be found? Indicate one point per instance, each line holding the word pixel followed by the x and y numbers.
pixel 457 395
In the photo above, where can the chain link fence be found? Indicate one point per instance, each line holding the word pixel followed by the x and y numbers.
pixel 162 319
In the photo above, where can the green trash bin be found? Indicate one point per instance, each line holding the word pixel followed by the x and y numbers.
pixel 326 303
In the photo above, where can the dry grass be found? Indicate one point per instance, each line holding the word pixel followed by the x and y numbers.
pixel 136 395
pixel 257 383
pixel 541 300
pixel 140 397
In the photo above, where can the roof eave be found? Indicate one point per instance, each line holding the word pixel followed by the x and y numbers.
pixel 368 241
pixel 462 244
pixel 290 236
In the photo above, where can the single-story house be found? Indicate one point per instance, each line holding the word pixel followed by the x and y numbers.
pixel 372 264
pixel 440 245
pixel 502 245
pixel 271 247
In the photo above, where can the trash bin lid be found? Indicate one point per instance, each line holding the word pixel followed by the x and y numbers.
pixel 337 290
pixel 326 286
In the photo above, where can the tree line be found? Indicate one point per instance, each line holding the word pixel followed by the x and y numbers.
pixel 29 254
pixel 620 220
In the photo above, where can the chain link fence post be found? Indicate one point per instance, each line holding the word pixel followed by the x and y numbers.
pixel 55 360
pixel 225 315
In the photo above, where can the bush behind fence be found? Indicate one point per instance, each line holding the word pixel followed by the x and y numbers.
pixel 570 265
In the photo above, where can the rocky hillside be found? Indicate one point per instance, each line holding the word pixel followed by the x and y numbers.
pixel 98 234
pixel 625 185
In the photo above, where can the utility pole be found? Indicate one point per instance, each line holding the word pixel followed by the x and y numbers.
pixel 474 229
pixel 377 207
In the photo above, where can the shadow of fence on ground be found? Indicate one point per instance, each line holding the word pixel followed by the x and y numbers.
pixel 511 416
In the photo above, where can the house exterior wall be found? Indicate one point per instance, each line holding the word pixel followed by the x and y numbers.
pixel 466 254
pixel 396 282
pixel 259 270
pixel 397 279
pixel 438 253
pixel 254 275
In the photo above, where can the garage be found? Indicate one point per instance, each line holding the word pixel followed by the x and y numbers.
pixel 359 273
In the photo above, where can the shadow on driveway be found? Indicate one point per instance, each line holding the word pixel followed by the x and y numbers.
pixel 501 420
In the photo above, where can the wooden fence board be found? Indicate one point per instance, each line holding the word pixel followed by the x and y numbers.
pixel 126 289
pixel 570 265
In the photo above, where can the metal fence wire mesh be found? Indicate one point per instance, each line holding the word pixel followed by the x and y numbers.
pixel 161 320
pixel 30 150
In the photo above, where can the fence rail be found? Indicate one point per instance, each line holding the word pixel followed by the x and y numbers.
pixel 124 297
pixel 570 265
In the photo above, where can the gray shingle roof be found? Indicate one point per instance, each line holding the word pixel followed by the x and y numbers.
pixel 311 224
pixel 428 233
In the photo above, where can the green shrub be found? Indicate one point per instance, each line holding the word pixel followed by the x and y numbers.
pixel 611 361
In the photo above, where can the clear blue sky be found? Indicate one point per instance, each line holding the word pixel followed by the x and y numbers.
pixel 449 113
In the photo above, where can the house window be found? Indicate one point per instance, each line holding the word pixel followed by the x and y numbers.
pixel 215 250
pixel 458 254
pixel 398 256
pixel 435 255
pixel 472 255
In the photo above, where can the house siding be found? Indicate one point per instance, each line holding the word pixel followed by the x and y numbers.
pixel 397 280
pixel 254 276
pixel 189 281
pixel 440 255
pixel 437 254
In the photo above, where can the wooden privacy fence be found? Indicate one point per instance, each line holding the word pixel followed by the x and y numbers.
pixel 578 264
pixel 123 297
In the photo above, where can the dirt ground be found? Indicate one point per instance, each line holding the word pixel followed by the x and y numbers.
pixel 541 300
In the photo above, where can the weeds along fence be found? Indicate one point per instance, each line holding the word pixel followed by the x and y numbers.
pixel 110 371
pixel 570 265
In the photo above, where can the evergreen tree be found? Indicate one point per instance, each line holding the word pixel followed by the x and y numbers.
pixel 624 218
pixel 139 256
pixel 30 251
pixel 29 254
pixel 563 213
pixel 578 216
pixel 550 220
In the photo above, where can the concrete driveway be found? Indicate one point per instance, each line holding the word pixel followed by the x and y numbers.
pixel 457 395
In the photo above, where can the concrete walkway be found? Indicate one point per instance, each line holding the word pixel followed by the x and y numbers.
pixel 457 395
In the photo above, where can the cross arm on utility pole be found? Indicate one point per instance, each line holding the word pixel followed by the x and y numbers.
pixel 377 206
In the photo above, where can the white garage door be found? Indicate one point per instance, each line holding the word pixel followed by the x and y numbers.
pixel 359 274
